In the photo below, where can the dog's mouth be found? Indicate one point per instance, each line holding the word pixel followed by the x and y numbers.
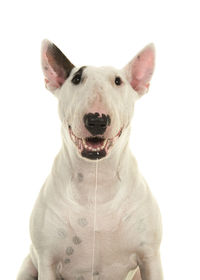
pixel 93 148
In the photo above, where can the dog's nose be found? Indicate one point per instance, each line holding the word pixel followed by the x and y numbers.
pixel 95 123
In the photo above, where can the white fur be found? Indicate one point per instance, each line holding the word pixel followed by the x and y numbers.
pixel 128 224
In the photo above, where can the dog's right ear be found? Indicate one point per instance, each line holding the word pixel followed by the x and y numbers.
pixel 55 65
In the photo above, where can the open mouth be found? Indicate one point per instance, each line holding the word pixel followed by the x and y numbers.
pixel 95 147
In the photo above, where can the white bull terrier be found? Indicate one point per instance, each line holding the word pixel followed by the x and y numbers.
pixel 95 217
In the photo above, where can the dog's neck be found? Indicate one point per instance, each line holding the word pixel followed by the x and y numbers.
pixel 108 173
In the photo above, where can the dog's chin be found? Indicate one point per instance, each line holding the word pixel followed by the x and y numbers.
pixel 95 147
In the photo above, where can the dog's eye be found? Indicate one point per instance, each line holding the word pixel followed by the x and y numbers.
pixel 76 79
pixel 118 81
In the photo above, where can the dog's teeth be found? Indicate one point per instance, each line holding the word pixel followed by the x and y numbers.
pixel 104 144
pixel 84 144
pixel 73 138
pixel 79 143
pixel 108 144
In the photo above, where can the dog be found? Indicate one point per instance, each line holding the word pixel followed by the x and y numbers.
pixel 95 217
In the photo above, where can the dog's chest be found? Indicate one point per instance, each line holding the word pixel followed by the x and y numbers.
pixel 92 243
pixel 90 238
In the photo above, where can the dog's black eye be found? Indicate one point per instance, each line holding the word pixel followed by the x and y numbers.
pixel 78 76
pixel 76 79
pixel 118 81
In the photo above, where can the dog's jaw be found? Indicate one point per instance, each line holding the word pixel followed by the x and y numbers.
pixel 93 148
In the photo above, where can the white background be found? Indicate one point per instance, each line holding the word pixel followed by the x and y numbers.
pixel 165 138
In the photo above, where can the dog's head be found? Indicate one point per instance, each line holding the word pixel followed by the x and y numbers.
pixel 95 104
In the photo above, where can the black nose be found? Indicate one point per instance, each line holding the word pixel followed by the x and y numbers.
pixel 95 123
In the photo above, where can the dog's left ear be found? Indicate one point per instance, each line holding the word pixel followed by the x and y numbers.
pixel 140 70
pixel 55 65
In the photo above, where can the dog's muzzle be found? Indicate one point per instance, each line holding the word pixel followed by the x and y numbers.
pixel 95 147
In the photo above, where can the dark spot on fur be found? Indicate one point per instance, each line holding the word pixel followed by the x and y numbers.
pixel 82 222
pixel 76 240
pixel 59 277
pixel 80 177
pixel 80 71
pixel 62 233
pixel 80 278
pixel 66 261
pixel 69 251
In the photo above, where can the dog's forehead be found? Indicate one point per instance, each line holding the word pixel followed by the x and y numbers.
pixel 92 71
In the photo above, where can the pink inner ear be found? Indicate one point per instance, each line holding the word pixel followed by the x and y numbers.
pixel 141 68
pixel 54 76
pixel 51 77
